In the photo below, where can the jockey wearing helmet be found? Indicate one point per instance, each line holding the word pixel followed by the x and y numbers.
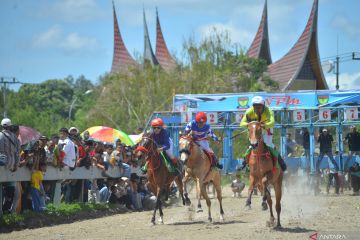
pixel 263 114
pixel 162 138
pixel 200 130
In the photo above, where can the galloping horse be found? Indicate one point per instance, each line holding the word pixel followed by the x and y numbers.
pixel 158 175
pixel 198 166
pixel 263 172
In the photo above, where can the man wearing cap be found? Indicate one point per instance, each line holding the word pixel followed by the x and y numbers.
pixel 325 139
pixel 67 148
pixel 9 146
pixel 353 139
pixel 263 114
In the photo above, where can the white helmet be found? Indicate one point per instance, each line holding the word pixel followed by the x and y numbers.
pixel 6 122
pixel 258 100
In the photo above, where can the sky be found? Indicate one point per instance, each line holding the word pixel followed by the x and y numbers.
pixel 51 39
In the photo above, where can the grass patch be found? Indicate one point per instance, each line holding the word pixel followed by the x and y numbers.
pixel 51 215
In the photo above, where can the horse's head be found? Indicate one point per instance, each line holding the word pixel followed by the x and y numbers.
pixel 255 135
pixel 145 147
pixel 184 148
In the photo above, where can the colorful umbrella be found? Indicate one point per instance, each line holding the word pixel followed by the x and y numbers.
pixel 27 134
pixel 109 135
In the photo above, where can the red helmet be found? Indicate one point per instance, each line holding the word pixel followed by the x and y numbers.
pixel 157 122
pixel 200 117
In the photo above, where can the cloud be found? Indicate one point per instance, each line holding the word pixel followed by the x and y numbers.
pixel 73 10
pixel 235 34
pixel 343 23
pixel 347 81
pixel 56 38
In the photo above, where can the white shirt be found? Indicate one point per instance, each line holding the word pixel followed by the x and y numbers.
pixel 69 150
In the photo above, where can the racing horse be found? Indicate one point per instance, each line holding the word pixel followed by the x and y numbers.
pixel 159 176
pixel 263 172
pixel 198 166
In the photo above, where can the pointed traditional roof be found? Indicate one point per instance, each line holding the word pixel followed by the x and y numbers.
pixel 300 68
pixel 167 62
pixel 122 60
pixel 260 47
pixel 148 52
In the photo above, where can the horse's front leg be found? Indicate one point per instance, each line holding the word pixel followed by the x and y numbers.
pixel 161 219
pixel 184 183
pixel 198 196
pixel 180 187
pixel 206 197
pixel 250 191
pixel 156 207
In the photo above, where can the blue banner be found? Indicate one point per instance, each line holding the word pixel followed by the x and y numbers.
pixel 242 101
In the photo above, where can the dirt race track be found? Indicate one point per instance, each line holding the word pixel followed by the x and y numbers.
pixel 302 216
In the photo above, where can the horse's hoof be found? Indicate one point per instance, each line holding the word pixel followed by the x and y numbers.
pixel 247 207
pixel 199 210
pixel 187 202
pixel 222 219
pixel 161 220
pixel 210 219
pixel 264 206
pixel 278 227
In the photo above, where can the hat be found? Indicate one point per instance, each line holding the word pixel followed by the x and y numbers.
pixel 352 126
pixel 324 130
pixel 73 128
pixel 64 130
pixel 6 122
pixel 43 138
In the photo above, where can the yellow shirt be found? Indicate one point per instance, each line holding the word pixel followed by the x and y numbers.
pixel 36 177
pixel 267 117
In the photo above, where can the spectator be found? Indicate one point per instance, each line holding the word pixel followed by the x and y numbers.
pixel 67 149
pixel 39 153
pixel 73 131
pixel 86 135
pixel 290 145
pixel 109 148
pixel 306 144
pixel 37 190
pixel 237 186
pixel 49 150
pixel 9 146
pixel 325 139
pixel 353 139
pixel 117 156
pixel 86 160
pixel 355 178
pixel 332 174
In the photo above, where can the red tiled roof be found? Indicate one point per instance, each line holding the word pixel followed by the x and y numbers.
pixel 260 47
pixel 166 61
pixel 285 70
pixel 121 57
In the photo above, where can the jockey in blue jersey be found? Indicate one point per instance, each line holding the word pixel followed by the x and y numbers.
pixel 200 130
pixel 164 144
pixel 162 138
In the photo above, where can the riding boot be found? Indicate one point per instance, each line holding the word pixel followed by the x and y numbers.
pixel 217 164
pixel 282 163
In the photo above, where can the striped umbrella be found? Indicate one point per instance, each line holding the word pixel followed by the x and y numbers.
pixel 109 135
pixel 27 134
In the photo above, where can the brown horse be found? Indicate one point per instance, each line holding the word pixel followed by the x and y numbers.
pixel 158 175
pixel 262 172
pixel 198 166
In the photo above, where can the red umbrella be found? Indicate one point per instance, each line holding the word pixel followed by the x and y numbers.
pixel 27 134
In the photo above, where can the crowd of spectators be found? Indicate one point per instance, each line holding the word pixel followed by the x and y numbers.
pixel 69 150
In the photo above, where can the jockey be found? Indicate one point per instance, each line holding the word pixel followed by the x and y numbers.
pixel 162 138
pixel 163 141
pixel 200 129
pixel 261 113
